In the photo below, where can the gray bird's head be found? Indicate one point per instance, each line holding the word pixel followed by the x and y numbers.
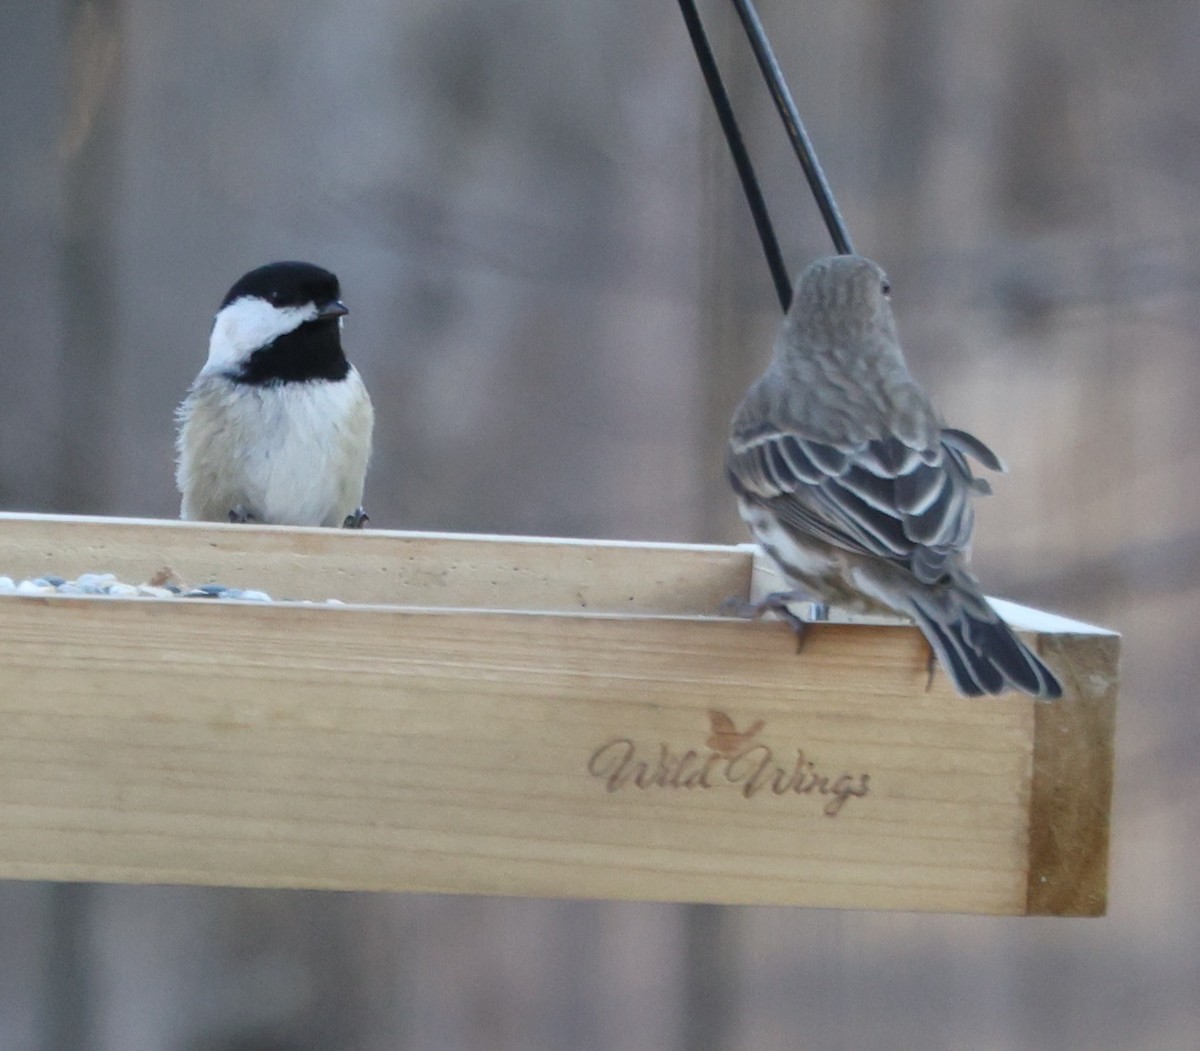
pixel 281 321
pixel 841 299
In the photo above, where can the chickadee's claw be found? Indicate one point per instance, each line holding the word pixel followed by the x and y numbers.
pixel 930 668
pixel 240 514
pixel 356 519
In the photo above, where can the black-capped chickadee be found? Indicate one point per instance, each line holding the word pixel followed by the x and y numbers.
pixel 851 483
pixel 276 428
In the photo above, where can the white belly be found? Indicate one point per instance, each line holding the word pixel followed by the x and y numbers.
pixel 299 476
pixel 294 454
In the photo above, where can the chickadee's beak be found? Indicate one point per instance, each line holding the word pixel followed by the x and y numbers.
pixel 335 309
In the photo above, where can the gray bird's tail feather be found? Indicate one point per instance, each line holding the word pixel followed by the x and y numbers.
pixel 981 653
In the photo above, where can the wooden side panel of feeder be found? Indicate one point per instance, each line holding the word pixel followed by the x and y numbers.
pixel 629 755
pixel 375 567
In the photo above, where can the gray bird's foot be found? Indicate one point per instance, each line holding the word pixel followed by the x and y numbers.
pixel 777 602
pixel 930 668
pixel 356 519
pixel 240 514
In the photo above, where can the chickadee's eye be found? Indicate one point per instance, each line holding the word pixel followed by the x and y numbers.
pixel 886 288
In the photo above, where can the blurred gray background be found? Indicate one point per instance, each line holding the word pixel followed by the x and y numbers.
pixel 556 300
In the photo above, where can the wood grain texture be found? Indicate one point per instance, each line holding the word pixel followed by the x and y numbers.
pixel 1071 794
pixel 381 567
pixel 627 755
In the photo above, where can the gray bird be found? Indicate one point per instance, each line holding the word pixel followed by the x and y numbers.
pixel 850 482
pixel 277 426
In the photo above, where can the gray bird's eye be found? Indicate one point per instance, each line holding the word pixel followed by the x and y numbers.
pixel 886 288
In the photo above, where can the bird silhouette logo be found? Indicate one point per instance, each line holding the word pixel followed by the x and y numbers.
pixel 726 739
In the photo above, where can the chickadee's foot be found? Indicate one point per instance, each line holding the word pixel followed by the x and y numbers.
pixel 930 668
pixel 776 602
pixel 240 514
pixel 356 519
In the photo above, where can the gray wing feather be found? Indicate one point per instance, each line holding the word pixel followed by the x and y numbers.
pixel 971 446
pixel 879 497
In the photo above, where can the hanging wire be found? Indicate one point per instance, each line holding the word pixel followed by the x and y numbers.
pixel 798 137
pixel 737 148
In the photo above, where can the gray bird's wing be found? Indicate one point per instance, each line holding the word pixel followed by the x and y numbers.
pixel 878 497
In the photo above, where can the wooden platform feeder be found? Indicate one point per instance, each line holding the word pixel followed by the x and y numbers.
pixel 494 715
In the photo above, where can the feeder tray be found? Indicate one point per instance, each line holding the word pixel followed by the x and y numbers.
pixel 550 718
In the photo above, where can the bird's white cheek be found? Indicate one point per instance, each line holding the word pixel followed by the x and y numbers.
pixel 248 324
pixel 222 345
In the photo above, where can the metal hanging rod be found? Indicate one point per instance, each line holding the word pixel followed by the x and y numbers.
pixel 737 149
pixel 794 126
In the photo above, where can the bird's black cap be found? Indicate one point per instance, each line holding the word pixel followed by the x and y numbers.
pixel 287 284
